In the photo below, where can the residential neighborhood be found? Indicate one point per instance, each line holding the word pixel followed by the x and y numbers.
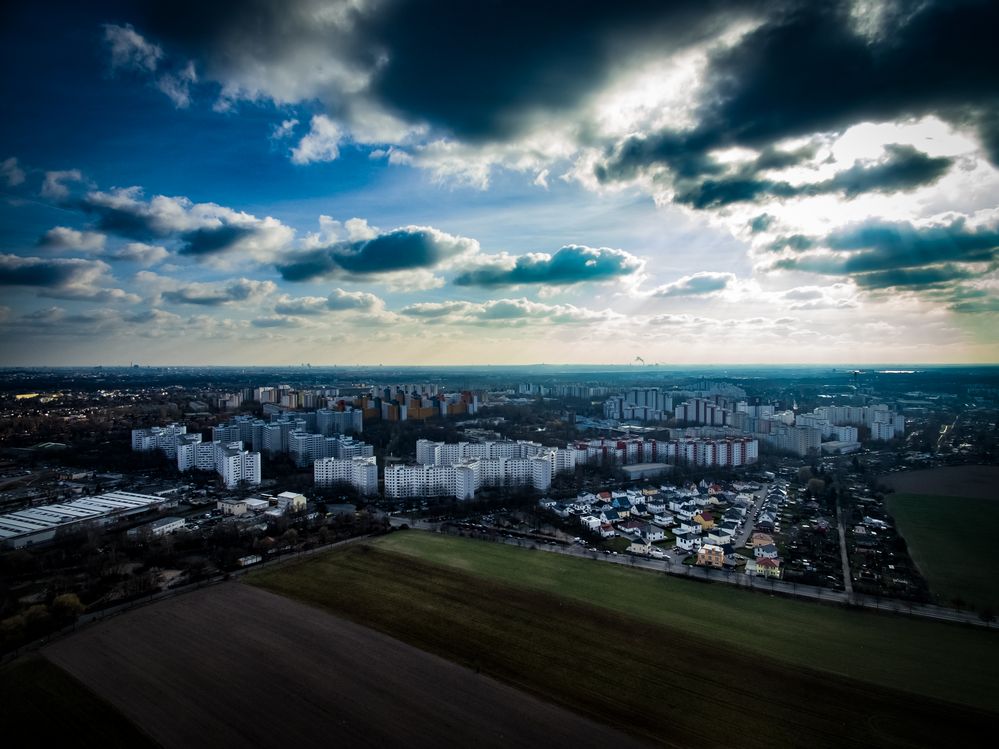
pixel 722 525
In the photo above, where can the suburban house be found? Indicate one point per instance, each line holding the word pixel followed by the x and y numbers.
pixel 705 519
pixel 687 541
pixel 719 536
pixel 711 555
pixel 655 505
pixel 734 513
pixel 760 539
pixel 652 533
pixel 561 510
pixel 689 526
pixel 765 552
pixel 631 526
pixel 763 568
pixel 607 530
pixel 730 525
pixel 590 521
pixel 640 546
pixel 664 519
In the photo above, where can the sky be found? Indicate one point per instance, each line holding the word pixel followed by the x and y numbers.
pixel 445 182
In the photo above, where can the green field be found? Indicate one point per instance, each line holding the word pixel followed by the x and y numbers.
pixel 948 539
pixel 669 659
pixel 42 704
pixel 934 658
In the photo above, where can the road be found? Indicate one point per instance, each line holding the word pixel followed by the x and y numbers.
pixel 741 580
pixel 944 431
pixel 749 522
pixel 847 577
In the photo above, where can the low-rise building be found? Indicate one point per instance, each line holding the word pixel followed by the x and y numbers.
pixel 711 555
pixel 640 546
pixel 235 507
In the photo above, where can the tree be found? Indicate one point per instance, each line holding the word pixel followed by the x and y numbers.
pixel 12 630
pixel 816 486
pixel 67 607
pixel 37 620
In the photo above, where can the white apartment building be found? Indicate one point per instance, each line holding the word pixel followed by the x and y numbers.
pixel 464 478
pixel 158 438
pixel 360 472
pixel 732 451
pixel 235 465
pixel 799 440
pixel 330 422
pixel 844 433
pixel 192 453
pixel 882 421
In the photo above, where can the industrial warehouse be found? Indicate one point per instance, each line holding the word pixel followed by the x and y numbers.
pixel 40 524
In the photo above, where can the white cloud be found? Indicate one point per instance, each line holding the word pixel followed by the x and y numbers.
pixel 207 231
pixel 177 86
pixel 12 174
pixel 285 129
pixel 140 252
pixel 54 187
pixel 237 291
pixel 62 278
pixel 320 144
pixel 64 238
pixel 699 284
pixel 130 50
pixel 505 312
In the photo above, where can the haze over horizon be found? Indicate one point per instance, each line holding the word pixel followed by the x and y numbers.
pixel 453 183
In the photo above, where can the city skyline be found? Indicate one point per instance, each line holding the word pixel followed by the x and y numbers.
pixel 458 184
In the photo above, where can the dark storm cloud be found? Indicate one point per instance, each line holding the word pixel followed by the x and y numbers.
pixel 200 229
pixel 473 69
pixel 569 265
pixel 478 68
pixel 885 245
pixel 914 277
pixel 905 169
pixel 407 248
pixel 210 240
pixel 47 273
pixel 807 70
pixel 122 220
pixel 973 300
pixel 481 70
pixel 881 254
